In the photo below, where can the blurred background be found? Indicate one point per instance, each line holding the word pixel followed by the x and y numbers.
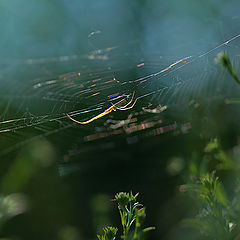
pixel 76 57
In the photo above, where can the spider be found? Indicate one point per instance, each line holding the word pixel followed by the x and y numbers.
pixel 114 107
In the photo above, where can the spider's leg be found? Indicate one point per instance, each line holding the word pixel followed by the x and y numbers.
pixel 74 120
pixel 129 101
pixel 92 119
pixel 124 108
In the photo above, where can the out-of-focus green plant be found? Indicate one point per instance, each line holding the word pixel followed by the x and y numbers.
pixel 224 60
pixel 131 212
pixel 214 153
pixel 212 219
pixel 217 212
pixel 28 191
pixel 12 205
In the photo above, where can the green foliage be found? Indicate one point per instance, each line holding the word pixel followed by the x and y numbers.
pixel 224 60
pixel 131 212
pixel 109 233
pixel 217 212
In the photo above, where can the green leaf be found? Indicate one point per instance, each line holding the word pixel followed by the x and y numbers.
pixel 148 229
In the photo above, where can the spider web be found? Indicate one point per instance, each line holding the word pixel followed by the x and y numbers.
pixel 37 93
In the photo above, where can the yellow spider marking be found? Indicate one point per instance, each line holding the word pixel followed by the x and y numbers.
pixel 109 110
